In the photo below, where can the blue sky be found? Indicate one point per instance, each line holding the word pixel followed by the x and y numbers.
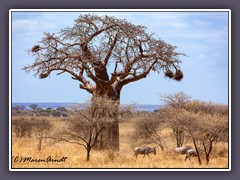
pixel 202 36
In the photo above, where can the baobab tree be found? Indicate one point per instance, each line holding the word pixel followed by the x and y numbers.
pixel 104 54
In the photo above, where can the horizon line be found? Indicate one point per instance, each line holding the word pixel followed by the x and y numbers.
pixel 79 103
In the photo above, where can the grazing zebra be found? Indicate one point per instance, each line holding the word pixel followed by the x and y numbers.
pixel 144 151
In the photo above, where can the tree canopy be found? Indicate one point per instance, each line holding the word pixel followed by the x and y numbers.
pixel 104 53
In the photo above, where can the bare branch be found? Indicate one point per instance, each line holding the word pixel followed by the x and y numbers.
pixel 110 49
pixel 60 139
pixel 138 77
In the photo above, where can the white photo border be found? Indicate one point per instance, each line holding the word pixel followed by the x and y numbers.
pixel 119 10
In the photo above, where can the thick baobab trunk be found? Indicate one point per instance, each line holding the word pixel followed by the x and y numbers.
pixel 109 137
pixel 112 136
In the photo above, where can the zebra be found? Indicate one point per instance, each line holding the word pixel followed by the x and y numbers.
pixel 144 151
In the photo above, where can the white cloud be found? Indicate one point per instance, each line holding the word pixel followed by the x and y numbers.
pixel 30 25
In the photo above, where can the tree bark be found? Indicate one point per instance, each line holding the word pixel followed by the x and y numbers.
pixel 39 145
pixel 196 148
pixel 179 135
pixel 113 136
pixel 88 154
pixel 109 137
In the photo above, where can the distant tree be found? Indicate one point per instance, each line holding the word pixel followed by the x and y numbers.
pixel 22 127
pixel 148 131
pixel 48 109
pixel 19 108
pixel 203 129
pixel 176 100
pixel 104 54
pixel 33 106
pixel 126 112
pixel 205 123
pixel 206 107
pixel 170 116
pixel 16 127
pixel 215 127
pixel 62 109
pixel 173 103
pixel 42 128
pixel 39 109
pixel 189 123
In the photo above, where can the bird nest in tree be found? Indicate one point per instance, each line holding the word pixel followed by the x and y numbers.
pixel 35 48
pixel 169 74
pixel 178 75
pixel 43 75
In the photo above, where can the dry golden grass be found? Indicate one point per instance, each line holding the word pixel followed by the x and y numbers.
pixel 76 155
